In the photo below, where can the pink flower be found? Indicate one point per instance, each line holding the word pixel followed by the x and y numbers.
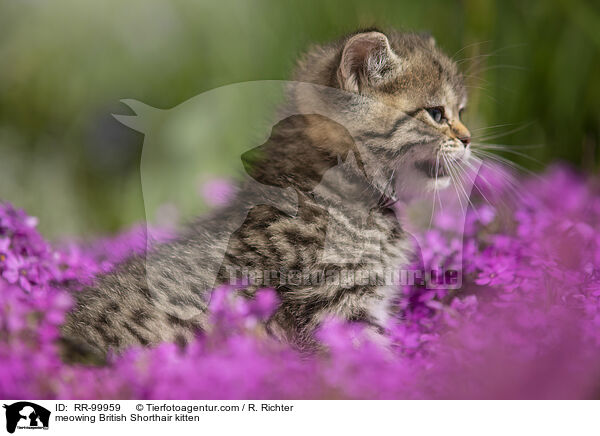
pixel 19 271
pixel 525 323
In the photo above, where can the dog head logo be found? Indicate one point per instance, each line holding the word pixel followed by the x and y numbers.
pixel 26 415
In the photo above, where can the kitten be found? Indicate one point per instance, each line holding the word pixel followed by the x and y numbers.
pixel 371 115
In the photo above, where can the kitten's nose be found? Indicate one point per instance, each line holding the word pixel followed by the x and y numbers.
pixel 461 132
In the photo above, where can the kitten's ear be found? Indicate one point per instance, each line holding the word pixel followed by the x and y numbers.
pixel 366 60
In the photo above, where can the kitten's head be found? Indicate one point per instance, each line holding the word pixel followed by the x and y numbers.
pixel 400 97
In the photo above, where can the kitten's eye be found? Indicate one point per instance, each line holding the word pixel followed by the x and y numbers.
pixel 460 113
pixel 436 113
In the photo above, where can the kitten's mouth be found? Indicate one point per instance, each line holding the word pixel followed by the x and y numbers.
pixel 432 169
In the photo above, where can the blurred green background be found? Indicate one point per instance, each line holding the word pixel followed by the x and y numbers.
pixel 65 64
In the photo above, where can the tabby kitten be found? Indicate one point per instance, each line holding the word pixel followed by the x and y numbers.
pixel 370 116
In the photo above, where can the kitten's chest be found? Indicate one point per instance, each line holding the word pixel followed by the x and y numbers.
pixel 363 235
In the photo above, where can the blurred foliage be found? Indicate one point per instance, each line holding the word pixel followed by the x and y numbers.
pixel 534 67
